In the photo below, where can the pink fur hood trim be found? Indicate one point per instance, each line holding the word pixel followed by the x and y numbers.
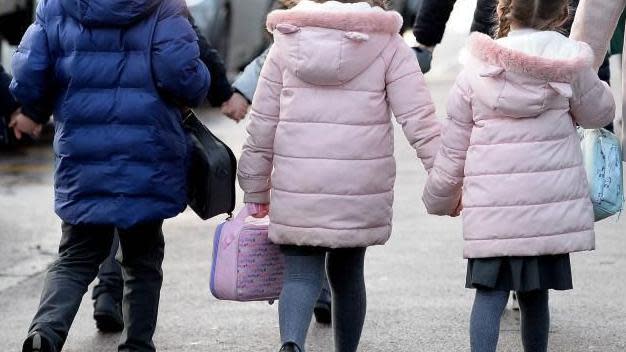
pixel 374 21
pixel 490 51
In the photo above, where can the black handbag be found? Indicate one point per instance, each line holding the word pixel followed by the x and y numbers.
pixel 212 171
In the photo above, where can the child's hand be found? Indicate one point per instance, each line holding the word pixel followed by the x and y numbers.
pixel 22 125
pixel 236 107
pixel 259 211
pixel 459 208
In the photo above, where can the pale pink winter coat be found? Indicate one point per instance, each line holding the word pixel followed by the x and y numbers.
pixel 321 124
pixel 511 148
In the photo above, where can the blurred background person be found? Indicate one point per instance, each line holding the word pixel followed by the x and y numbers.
pixel 595 23
pixel 16 122
pixel 430 25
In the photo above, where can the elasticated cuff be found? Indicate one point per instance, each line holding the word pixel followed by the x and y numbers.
pixel 259 198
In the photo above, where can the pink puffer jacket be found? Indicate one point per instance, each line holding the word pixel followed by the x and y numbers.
pixel 321 124
pixel 511 145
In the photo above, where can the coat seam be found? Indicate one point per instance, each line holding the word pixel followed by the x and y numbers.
pixel 386 123
pixel 559 139
pixel 331 194
pixel 531 237
pixel 274 222
pixel 414 111
pixel 525 172
pixel 526 205
pixel 333 159
pixel 403 76
pixel 337 89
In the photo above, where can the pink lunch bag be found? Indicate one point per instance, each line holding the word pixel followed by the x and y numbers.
pixel 247 266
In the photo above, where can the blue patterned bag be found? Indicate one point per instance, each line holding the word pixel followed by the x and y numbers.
pixel 602 157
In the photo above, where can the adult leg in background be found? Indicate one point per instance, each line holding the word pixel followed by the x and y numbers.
pixel 141 257
pixel 107 294
pixel 485 319
pixel 323 306
pixel 346 276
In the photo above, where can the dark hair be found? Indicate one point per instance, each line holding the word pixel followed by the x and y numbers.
pixel 288 3
pixel 380 3
pixel 537 14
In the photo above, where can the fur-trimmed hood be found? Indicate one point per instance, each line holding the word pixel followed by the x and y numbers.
pixel 360 17
pixel 542 65
pixel 543 55
pixel 330 43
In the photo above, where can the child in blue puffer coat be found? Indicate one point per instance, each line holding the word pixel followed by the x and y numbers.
pixel 115 74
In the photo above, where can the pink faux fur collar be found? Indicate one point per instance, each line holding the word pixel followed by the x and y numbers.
pixel 359 21
pixel 488 50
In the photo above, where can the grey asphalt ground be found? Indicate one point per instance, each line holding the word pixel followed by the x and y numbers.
pixel 416 295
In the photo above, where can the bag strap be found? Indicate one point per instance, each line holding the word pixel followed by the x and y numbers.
pixel 248 210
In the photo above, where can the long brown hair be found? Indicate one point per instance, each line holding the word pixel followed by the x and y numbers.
pixel 537 14
pixel 380 3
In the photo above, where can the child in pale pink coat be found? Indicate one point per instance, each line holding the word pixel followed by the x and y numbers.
pixel 511 152
pixel 321 143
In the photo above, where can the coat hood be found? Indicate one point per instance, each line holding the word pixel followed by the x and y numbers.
pixel 331 43
pixel 109 12
pixel 526 73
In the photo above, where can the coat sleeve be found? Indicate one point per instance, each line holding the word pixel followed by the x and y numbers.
pixel 431 19
pixel 592 104
pixel 32 72
pixel 256 163
pixel 8 104
pixel 178 71
pixel 595 23
pixel 220 90
pixel 445 182
pixel 412 104
pixel 246 82
pixel 484 17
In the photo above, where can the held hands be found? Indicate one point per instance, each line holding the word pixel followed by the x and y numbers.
pixel 236 107
pixel 459 208
pixel 259 211
pixel 424 55
pixel 22 125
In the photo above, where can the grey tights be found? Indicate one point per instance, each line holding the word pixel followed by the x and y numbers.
pixel 302 286
pixel 487 311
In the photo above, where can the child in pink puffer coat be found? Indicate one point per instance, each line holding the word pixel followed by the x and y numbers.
pixel 510 150
pixel 321 143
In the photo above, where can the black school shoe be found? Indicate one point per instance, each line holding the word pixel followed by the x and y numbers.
pixel 290 347
pixel 323 313
pixel 322 308
pixel 108 314
pixel 36 342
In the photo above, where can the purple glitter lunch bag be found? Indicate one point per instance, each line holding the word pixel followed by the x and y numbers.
pixel 247 266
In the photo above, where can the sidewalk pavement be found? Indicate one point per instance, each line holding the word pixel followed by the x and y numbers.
pixel 416 295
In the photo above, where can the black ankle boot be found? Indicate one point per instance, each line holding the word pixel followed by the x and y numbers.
pixel 36 342
pixel 323 313
pixel 108 314
pixel 322 310
pixel 290 347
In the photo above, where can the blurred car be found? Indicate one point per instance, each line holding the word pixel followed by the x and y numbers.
pixel 237 27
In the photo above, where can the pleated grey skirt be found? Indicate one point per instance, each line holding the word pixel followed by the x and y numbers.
pixel 521 274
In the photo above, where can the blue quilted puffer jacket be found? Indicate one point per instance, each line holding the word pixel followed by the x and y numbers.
pixel 114 73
